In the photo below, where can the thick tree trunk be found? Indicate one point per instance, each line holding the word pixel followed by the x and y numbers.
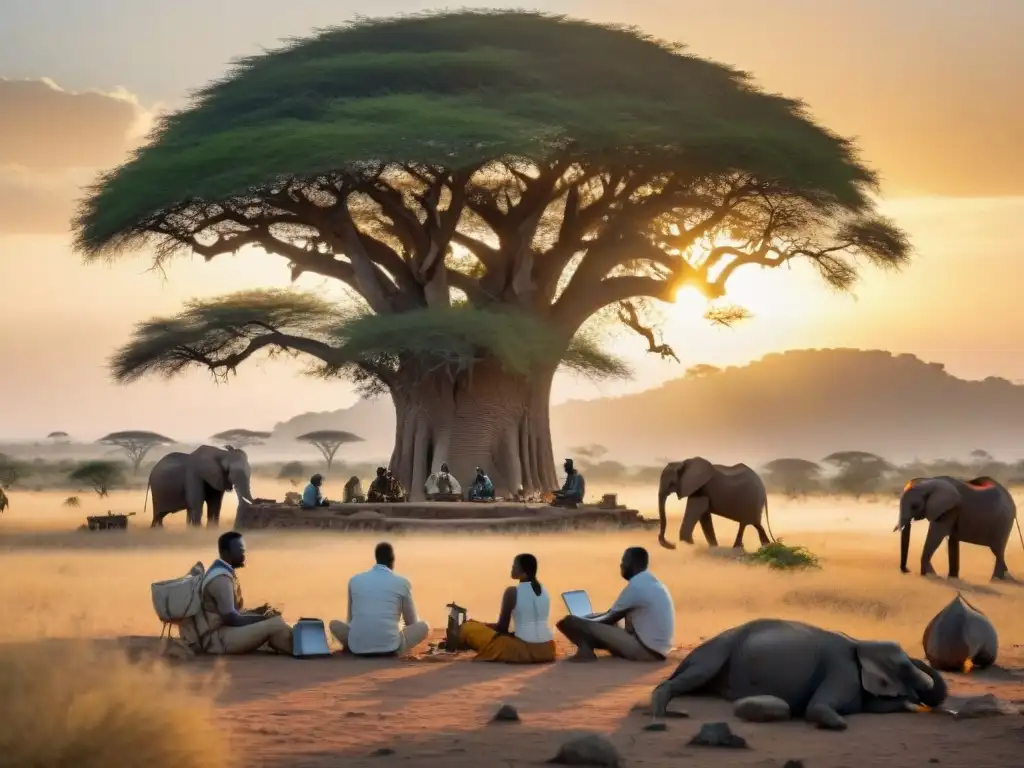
pixel 487 418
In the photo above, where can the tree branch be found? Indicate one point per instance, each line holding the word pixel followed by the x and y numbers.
pixel 629 317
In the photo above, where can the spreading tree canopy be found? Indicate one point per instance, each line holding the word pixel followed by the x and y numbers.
pixel 482 183
pixel 135 443
pixel 241 438
pixel 328 441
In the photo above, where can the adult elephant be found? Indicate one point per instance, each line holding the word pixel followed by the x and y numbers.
pixel 821 675
pixel 189 480
pixel 734 492
pixel 978 511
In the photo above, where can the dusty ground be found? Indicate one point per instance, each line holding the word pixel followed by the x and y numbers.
pixel 59 584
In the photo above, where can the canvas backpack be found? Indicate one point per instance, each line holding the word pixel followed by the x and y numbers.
pixel 177 600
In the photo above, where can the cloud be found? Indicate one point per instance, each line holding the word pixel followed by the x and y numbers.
pixel 53 142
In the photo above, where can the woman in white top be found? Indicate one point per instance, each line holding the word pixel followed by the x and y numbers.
pixel 522 634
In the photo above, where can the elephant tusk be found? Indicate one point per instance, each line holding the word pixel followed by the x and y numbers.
pixel 899 526
pixel 247 501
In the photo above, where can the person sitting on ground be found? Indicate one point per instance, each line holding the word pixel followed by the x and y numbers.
pixel 222 625
pixel 644 604
pixel 395 493
pixel 572 490
pixel 525 607
pixel 353 491
pixel 442 486
pixel 482 488
pixel 377 600
pixel 311 496
pixel 379 487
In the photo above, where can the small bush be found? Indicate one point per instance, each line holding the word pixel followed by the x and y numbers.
pixel 780 556
pixel 77 706
pixel 72 501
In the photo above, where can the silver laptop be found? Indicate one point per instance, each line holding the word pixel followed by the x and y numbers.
pixel 577 601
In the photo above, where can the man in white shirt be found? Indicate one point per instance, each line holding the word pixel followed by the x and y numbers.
pixel 377 600
pixel 644 605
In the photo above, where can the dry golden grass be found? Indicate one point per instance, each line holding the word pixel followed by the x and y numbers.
pixel 58 582
pixel 86 710
pixel 78 707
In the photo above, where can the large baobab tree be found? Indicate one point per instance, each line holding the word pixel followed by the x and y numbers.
pixel 483 184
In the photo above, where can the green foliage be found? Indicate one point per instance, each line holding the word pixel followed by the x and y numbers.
pixel 292 470
pixel 458 90
pixel 220 333
pixel 100 474
pixel 11 471
pixel 782 557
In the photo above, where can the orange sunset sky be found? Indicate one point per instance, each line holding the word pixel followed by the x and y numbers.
pixel 930 88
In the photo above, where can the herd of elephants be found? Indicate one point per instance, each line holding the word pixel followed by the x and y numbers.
pixel 826 674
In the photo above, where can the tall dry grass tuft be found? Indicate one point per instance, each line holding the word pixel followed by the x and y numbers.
pixel 76 706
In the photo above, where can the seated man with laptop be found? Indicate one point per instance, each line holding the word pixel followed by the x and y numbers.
pixel 644 606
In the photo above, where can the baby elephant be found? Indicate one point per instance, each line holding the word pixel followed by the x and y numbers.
pixel 820 675
pixel 959 634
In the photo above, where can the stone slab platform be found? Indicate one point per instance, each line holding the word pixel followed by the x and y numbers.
pixel 438 516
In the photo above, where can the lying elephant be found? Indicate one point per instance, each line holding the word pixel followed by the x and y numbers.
pixel 821 675
pixel 960 633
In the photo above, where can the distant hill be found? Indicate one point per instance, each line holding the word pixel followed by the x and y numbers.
pixel 805 403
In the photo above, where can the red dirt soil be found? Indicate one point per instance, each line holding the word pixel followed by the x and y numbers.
pixel 432 713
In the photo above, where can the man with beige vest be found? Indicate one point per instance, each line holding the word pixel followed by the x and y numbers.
pixel 223 626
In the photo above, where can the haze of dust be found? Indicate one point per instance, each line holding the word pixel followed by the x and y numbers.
pixel 63 705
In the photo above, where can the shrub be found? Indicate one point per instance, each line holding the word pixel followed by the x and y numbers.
pixel 77 706
pixel 780 556
pixel 72 501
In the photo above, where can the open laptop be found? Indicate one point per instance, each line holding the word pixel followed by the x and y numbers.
pixel 577 601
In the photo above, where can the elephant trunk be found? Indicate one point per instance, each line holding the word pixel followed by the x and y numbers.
pixel 903 526
pixel 662 495
pixel 934 695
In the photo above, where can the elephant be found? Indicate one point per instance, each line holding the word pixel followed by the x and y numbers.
pixel 978 511
pixel 959 634
pixel 734 492
pixel 820 674
pixel 190 480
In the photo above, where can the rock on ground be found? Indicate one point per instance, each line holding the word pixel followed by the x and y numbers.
pixel 761 709
pixel 718 735
pixel 506 714
pixel 986 705
pixel 592 749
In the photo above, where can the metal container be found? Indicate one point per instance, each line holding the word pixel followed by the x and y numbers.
pixel 309 639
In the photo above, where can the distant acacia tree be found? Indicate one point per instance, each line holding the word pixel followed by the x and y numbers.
pixel 101 474
pixel 482 183
pixel 11 471
pixel 241 438
pixel 592 452
pixel 328 441
pixel 701 371
pixel 859 473
pixel 292 470
pixel 136 444
pixel 59 437
pixel 794 477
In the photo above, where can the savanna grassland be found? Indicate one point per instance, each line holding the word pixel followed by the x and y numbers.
pixel 64 585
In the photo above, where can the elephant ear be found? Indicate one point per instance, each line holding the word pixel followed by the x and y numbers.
pixel 211 465
pixel 879 663
pixel 694 474
pixel 941 498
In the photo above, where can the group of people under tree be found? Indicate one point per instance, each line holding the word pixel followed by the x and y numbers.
pixel 382 620
pixel 439 486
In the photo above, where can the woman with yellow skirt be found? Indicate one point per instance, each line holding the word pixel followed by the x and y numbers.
pixel 524 608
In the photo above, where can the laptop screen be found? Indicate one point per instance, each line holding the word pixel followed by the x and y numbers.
pixel 578 602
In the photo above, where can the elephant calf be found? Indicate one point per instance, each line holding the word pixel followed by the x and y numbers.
pixel 821 675
pixel 960 633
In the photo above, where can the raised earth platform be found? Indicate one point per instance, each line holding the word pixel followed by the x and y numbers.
pixel 439 516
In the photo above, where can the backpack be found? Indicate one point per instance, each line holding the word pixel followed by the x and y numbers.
pixel 176 600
